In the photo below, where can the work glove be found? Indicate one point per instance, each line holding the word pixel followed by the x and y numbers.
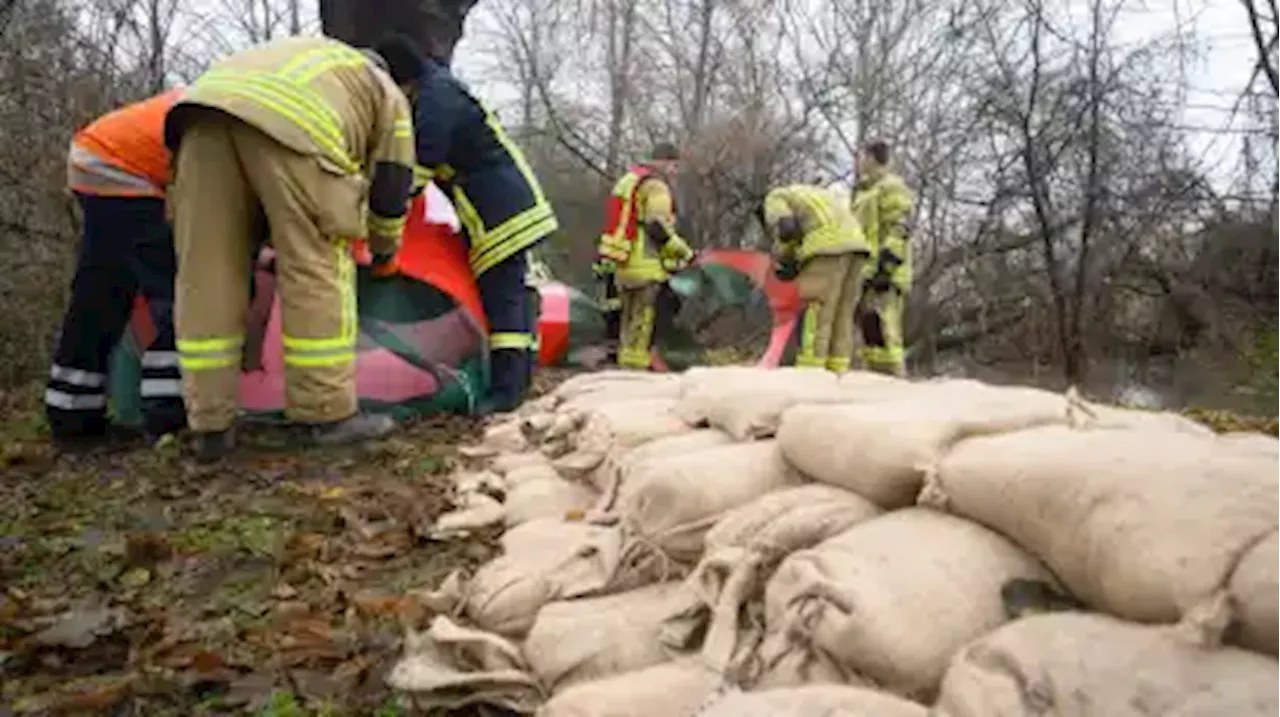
pixel 385 266
pixel 604 267
pixel 880 281
pixel 786 268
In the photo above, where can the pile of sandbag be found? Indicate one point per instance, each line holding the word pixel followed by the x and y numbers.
pixel 743 541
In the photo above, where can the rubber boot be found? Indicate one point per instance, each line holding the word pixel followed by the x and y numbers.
pixel 213 446
pixel 356 429
pixel 105 437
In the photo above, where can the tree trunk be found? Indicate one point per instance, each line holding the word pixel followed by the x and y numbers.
pixel 435 25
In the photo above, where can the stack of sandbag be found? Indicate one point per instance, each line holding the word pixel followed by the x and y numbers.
pixel 1082 665
pixel 1138 524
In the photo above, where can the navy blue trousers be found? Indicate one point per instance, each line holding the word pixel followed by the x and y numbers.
pixel 512 309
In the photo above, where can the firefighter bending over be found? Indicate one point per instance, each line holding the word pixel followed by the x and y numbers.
pixel 301 132
pixel 639 247
pixel 117 168
pixel 817 242
pixel 462 148
pixel 882 204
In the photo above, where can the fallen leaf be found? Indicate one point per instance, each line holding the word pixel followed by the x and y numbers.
pixel 377 605
pixel 135 578
pixel 207 662
pixel 284 591
pixel 79 629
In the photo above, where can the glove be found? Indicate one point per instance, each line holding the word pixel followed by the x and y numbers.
pixel 604 267
pixel 786 268
pixel 385 266
pixel 880 281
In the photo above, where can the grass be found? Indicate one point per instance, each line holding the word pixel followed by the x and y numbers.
pixel 275 585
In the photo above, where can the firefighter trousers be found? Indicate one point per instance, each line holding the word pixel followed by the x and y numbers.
pixel 228 176
pixel 126 249
pixel 880 322
pixel 831 289
pixel 511 307
pixel 637 324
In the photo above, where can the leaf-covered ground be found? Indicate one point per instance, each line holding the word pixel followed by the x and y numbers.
pixel 279 584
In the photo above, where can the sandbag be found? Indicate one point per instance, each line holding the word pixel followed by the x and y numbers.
pixel 1141 524
pixel 473 512
pixel 893 598
pixel 749 405
pixel 1250 442
pixel 852 382
pixel 508 462
pixel 449 667
pixel 812 701
pixel 547 498
pixel 673 500
pixel 546 560
pixel 618 427
pixel 580 640
pixel 882 450
pixel 618 392
pixel 1087 665
pixel 784 521
pixel 504 436
pixel 670 689
pixel 1099 416
pixel 619 464
pixel 1255 592
pixel 603 380
pixel 528 474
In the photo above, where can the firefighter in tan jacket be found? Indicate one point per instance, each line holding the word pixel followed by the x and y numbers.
pixel 314 138
pixel 638 249
pixel 817 242
pixel 882 204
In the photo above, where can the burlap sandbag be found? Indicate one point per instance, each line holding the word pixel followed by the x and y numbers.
pixel 1254 592
pixel 474 511
pixel 617 428
pixel 604 380
pixel 528 474
pixel 673 500
pixel 1140 524
pixel 552 497
pixel 587 639
pixel 1251 442
pixel 893 598
pixel 618 392
pixel 674 688
pixel 882 450
pixel 547 560
pixel 814 701
pixel 1090 665
pixel 449 667
pixel 618 465
pixel 1100 416
pixel 503 436
pixel 508 462
pixel 748 406
pixel 784 521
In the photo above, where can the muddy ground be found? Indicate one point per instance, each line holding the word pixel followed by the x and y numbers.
pixel 279 584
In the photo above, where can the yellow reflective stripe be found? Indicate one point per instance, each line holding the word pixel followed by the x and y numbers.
pixel 512 236
pixel 386 226
pixel 402 129
pixel 808 336
pixel 208 354
pixel 517 156
pixel 312 116
pixel 308 65
pixel 510 340
pixel 213 345
pixel 301 95
pixel 318 351
pixel 319 359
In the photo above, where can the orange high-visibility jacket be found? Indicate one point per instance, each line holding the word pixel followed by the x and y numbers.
pixel 122 153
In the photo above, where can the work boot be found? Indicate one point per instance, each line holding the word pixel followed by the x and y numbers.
pixel 213 446
pixel 103 438
pixel 356 429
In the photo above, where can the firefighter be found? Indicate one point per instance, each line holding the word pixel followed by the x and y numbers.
pixel 463 148
pixel 817 242
pixel 639 246
pixel 882 204
pixel 117 169
pixel 302 132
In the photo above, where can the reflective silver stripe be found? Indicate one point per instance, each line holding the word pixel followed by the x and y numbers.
pixel 88 170
pixel 159 359
pixel 161 387
pixel 73 402
pixel 76 376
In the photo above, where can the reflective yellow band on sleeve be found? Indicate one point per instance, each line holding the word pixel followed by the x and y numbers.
pixel 499 340
pixel 391 227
